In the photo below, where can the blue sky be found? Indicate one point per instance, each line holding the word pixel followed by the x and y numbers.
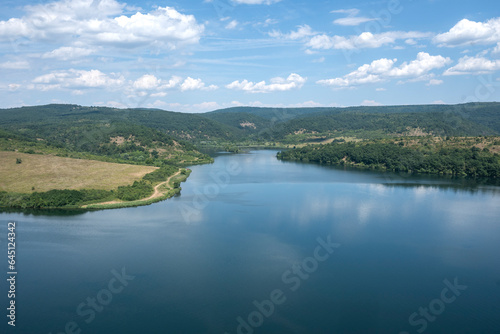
pixel 201 55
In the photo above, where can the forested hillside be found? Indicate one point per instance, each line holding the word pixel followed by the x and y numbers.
pixel 91 129
pixel 68 130
pixel 476 157
pixel 296 125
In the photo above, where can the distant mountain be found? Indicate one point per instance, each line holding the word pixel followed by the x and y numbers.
pixel 72 125
pixel 276 115
pixel 463 119
pixel 35 121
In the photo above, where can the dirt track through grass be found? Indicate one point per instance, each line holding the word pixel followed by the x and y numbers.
pixel 45 172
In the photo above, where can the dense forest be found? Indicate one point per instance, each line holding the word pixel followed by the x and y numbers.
pixel 89 128
pixel 290 125
pixel 399 157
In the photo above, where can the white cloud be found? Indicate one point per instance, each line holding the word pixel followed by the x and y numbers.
pixel 351 19
pixel 302 32
pixel 473 65
pixel 350 12
pixel 294 81
pixel 434 82
pixel 13 87
pixel 68 52
pixel 256 2
pixel 269 22
pixel 90 22
pixel 381 89
pixel 371 103
pixel 231 25
pixel 363 41
pixel 423 64
pixel 467 32
pixel 171 83
pixel 310 52
pixel 160 94
pixel 76 79
pixel 383 69
pixel 368 73
pixel 195 84
pixel 15 65
pixel 496 50
pixel 147 82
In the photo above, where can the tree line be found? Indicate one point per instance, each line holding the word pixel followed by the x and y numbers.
pixel 74 198
pixel 472 162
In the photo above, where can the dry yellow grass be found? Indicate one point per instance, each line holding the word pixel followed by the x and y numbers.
pixel 45 172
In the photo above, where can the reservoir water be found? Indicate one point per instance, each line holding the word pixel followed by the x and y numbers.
pixel 256 245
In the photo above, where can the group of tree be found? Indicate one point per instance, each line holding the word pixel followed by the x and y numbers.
pixel 472 161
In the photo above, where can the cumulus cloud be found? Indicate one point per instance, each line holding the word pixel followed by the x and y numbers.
pixel 302 31
pixel 467 32
pixel 383 69
pixel 352 19
pixel 195 84
pixel 68 52
pixel 77 79
pixel 368 73
pixel 365 40
pixel 102 23
pixel 276 84
pixel 147 82
pixel 420 66
pixel 473 65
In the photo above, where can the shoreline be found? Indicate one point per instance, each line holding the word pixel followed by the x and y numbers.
pixel 157 196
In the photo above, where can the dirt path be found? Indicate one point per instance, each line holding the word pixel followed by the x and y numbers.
pixel 157 193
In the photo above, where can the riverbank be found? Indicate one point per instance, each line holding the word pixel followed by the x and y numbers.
pixel 162 191
pixel 457 156
pixel 159 185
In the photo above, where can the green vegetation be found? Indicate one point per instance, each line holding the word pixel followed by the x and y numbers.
pixel 138 190
pixel 360 136
pixel 46 172
pixel 78 198
pixel 94 133
pixel 304 125
pixel 405 155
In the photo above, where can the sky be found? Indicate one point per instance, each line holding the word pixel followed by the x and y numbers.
pixel 201 55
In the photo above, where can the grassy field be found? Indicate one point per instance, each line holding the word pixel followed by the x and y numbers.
pixel 43 172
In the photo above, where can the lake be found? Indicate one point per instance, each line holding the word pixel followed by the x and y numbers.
pixel 257 245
